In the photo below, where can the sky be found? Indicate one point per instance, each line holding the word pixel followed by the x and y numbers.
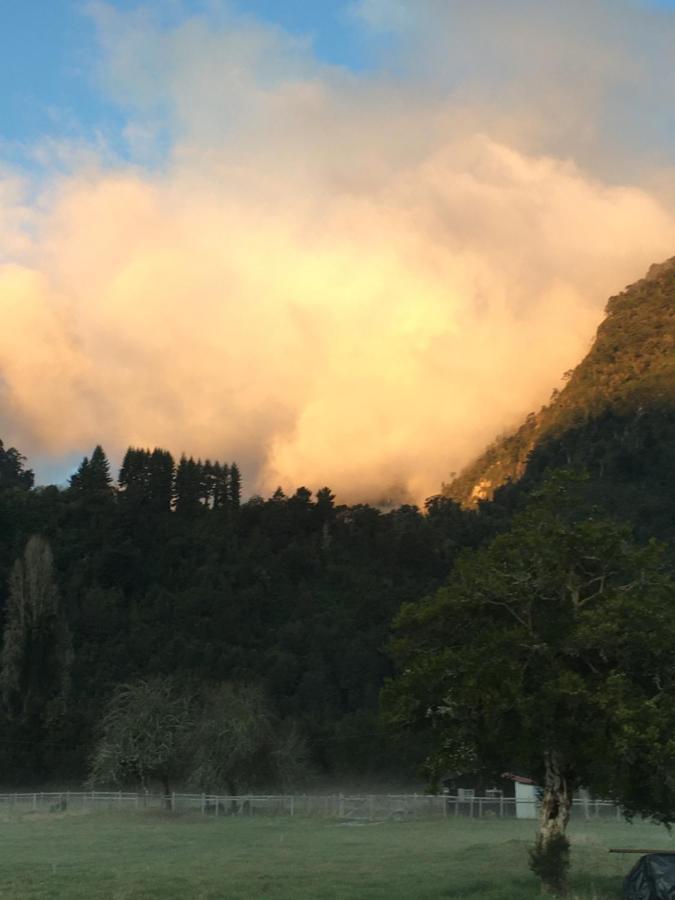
pixel 343 243
pixel 49 55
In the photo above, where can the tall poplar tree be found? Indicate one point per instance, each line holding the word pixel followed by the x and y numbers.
pixel 37 649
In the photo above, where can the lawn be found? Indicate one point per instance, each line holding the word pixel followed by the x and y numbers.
pixel 147 855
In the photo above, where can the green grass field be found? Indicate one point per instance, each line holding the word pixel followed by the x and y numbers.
pixel 151 855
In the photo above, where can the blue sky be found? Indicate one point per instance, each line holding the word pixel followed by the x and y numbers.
pixel 48 53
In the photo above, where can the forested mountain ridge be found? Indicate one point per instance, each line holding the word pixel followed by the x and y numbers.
pixel 614 410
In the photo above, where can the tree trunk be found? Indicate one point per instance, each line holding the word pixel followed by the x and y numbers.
pixel 556 802
pixel 550 857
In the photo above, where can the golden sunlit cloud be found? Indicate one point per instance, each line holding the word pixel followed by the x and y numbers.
pixel 332 279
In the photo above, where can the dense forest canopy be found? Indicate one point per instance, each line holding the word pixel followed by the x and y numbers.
pixel 168 571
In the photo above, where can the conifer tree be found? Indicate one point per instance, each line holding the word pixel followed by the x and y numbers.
pixel 206 483
pixel 99 478
pixel 219 488
pixel 325 499
pixel 224 484
pixel 77 480
pixel 188 486
pixel 134 475
pixel 234 486
pixel 93 476
pixel 161 473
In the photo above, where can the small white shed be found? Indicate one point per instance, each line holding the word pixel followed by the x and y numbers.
pixel 526 801
pixel 527 806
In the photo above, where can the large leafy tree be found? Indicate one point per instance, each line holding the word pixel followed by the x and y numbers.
pixel 551 650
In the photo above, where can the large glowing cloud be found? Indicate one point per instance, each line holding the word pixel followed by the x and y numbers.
pixel 333 280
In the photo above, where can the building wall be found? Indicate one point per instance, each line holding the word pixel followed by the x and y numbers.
pixel 526 801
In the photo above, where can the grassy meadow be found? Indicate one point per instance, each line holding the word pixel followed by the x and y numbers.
pixel 153 856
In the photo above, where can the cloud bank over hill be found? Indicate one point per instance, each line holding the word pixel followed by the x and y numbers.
pixel 335 278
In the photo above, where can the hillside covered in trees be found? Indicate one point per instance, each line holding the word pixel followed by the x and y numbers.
pixel 166 572
pixel 615 418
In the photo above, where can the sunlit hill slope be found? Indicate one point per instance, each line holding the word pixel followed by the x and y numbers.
pixel 615 418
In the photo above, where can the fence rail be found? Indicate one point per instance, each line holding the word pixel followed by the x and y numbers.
pixel 346 807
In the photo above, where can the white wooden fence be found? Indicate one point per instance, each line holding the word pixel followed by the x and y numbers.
pixel 347 807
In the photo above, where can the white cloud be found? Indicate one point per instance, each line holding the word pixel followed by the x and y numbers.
pixel 335 279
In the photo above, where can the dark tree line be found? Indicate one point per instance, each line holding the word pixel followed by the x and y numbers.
pixel 168 572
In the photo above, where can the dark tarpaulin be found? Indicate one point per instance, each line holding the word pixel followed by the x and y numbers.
pixel 652 878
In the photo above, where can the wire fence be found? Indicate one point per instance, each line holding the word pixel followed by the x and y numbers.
pixel 364 807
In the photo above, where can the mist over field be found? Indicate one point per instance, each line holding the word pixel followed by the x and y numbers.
pixel 352 278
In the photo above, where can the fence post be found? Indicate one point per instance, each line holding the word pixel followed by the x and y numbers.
pixel 34 802
pixel 292 806
pixel 203 804
pixel 173 802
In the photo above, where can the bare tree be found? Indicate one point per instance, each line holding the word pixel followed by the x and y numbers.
pixel 222 737
pixel 146 735
pixel 240 743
